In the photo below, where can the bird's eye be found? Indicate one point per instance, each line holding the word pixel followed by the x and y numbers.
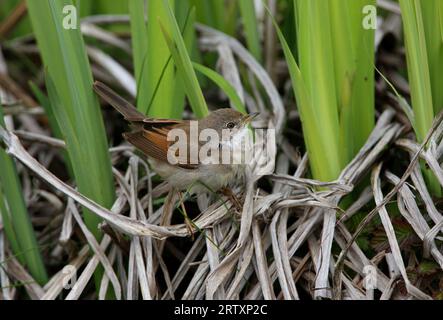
pixel 230 125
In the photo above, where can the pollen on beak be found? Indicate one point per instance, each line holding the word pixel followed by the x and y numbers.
pixel 249 117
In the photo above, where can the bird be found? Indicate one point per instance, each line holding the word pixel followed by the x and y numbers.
pixel 150 135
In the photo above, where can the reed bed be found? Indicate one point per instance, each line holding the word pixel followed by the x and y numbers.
pixel 356 187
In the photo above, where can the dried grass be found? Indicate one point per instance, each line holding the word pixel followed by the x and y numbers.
pixel 281 247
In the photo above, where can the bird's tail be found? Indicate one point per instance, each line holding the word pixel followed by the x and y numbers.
pixel 121 105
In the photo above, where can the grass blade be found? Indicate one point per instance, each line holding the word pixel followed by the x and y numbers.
pixel 183 63
pixel 319 143
pixel 219 14
pixel 223 84
pixel 419 75
pixel 139 34
pixel 249 18
pixel 162 104
pixel 16 221
pixel 432 20
pixel 440 18
pixel 188 31
pixel 74 103
pixel 418 66
pixel 316 61
pixel 57 132
pixel 160 91
pixel 353 48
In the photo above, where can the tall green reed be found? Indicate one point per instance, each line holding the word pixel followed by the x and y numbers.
pixel 423 43
pixel 332 80
pixel 151 55
pixel 250 26
pixel 432 12
pixel 180 55
pixel 160 88
pixel 16 221
pixel 69 83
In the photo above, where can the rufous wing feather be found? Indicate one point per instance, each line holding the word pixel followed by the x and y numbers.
pixel 151 149
pixel 150 135
pixel 154 144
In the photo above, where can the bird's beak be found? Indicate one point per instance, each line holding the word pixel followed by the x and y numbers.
pixel 249 117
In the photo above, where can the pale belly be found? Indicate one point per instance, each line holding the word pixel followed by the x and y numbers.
pixel 208 178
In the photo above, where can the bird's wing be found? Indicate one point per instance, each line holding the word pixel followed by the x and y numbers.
pixel 150 135
pixel 153 141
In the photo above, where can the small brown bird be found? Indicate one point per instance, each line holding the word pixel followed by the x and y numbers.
pixel 151 136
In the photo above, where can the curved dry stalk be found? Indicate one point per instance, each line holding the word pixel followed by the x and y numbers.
pixel 340 261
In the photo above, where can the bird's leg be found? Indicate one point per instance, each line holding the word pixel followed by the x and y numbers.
pixel 188 221
pixel 232 197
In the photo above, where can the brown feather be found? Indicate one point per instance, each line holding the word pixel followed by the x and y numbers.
pixel 121 105
pixel 155 122
pixel 138 139
pixel 155 145
pixel 150 135
pixel 125 108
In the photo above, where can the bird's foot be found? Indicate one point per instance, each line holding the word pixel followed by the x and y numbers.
pixel 188 222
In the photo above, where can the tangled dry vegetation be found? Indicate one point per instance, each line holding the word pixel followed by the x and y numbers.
pixel 291 240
